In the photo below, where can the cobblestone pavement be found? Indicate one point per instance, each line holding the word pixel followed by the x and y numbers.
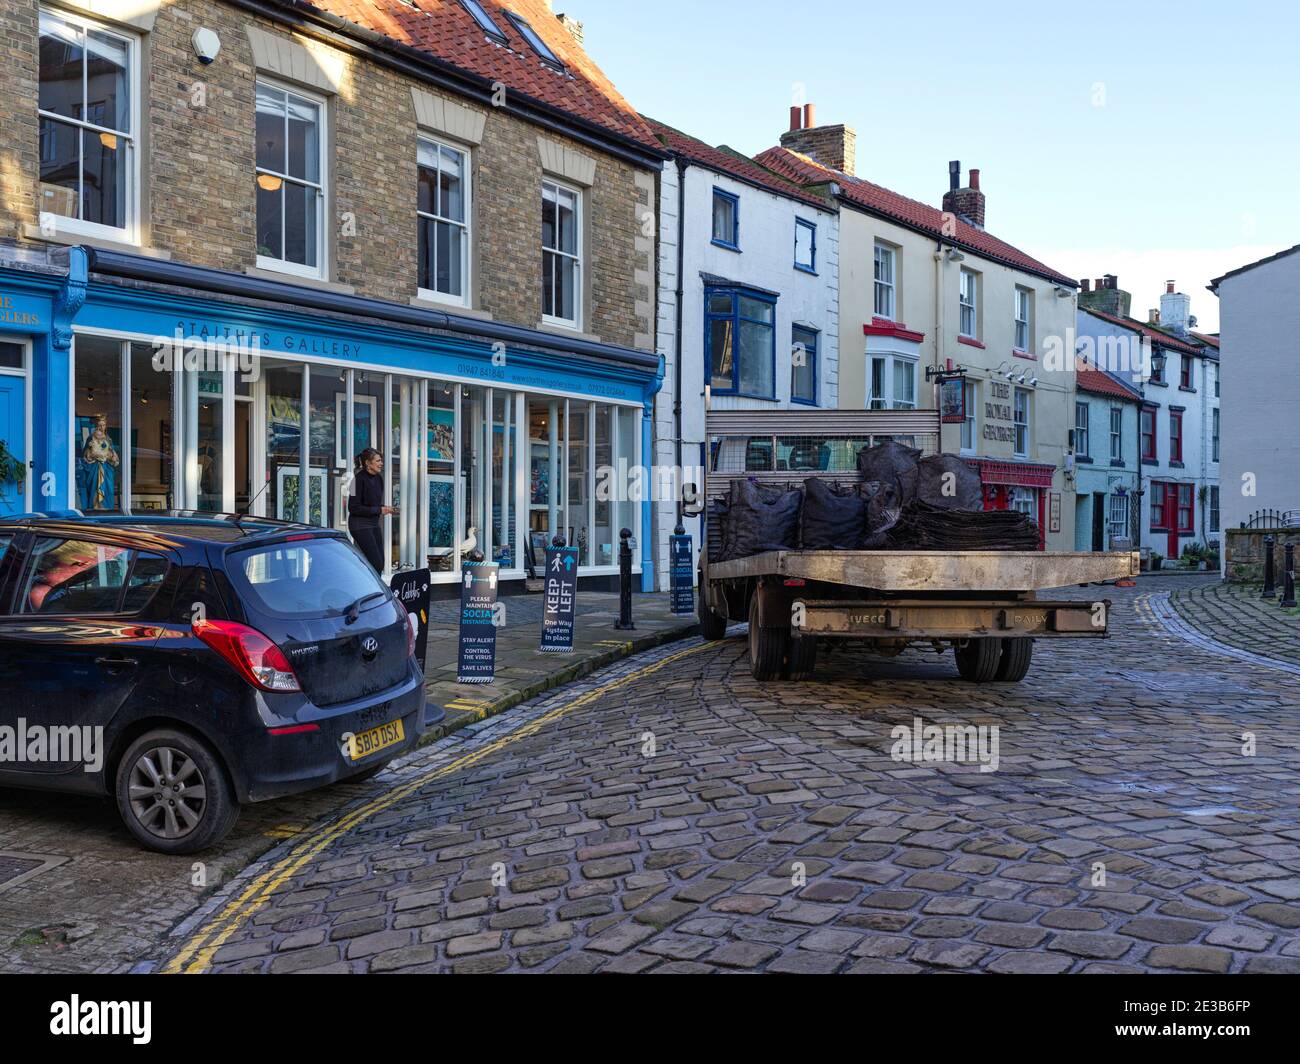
pixel 771 830
pixel 1235 614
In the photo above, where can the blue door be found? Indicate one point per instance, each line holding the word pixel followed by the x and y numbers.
pixel 13 431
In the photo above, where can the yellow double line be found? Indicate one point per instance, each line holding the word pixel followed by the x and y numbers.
pixel 197 953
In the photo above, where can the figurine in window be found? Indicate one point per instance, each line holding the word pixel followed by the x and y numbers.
pixel 97 471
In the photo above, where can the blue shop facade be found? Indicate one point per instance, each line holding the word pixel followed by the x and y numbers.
pixel 132 384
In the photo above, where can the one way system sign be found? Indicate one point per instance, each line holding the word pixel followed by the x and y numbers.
pixel 561 591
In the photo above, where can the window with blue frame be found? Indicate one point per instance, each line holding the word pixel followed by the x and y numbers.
pixel 740 342
pixel 803 365
pixel 726 220
pixel 805 246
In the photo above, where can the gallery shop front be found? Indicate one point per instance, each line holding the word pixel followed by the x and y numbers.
pixel 131 383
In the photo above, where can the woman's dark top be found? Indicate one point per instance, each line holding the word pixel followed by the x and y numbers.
pixel 366 500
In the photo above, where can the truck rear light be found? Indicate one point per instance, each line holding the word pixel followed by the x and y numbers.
pixel 411 631
pixel 249 653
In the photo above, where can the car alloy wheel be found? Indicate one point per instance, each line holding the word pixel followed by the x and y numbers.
pixel 167 792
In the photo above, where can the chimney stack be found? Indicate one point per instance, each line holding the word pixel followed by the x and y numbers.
pixel 835 147
pixel 1175 309
pixel 1106 296
pixel 572 25
pixel 968 202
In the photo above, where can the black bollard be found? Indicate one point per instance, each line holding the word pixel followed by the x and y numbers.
pixel 1268 568
pixel 1288 586
pixel 625 581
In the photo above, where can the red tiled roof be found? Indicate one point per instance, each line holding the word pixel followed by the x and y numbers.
pixel 1090 379
pixel 910 212
pixel 1206 338
pixel 724 160
pixel 446 32
pixel 1156 336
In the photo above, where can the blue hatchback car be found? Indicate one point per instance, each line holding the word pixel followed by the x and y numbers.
pixel 186 663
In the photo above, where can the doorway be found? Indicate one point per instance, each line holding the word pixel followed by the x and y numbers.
pixel 1098 521
pixel 15 426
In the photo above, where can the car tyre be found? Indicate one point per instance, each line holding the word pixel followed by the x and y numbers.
pixel 977 661
pixel 767 646
pixel 173 793
pixel 1014 663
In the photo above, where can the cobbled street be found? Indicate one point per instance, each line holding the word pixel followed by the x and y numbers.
pixel 1125 829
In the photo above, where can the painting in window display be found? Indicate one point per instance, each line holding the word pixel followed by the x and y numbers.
pixel 365 423
pixel 99 465
pixel 442 434
pixel 288 482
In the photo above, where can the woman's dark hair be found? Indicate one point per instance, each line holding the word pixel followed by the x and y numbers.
pixel 365 456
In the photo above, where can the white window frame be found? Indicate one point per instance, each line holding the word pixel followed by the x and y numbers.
pixel 1082 430
pixel 888 400
pixel 968 304
pixel 1024 310
pixel 1117 518
pixel 1117 434
pixel 467 257
pixel 1216 432
pixel 576 321
pixel 970 427
pixel 888 289
pixel 321 270
pixel 1027 423
pixel 130 232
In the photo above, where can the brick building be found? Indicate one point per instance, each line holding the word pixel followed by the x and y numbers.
pixel 330 209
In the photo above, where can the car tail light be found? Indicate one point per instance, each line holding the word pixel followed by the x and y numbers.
pixel 411 630
pixel 250 653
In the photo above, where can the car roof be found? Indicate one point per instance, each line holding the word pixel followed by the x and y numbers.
pixel 165 527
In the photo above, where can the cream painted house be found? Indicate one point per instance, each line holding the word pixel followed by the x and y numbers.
pixel 923 288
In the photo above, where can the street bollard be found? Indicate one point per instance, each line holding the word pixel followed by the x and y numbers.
pixel 625 582
pixel 1288 586
pixel 1269 590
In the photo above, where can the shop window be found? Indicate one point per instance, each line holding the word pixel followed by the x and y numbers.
pixel 1025 500
pixel 290 181
pixel 803 365
pixel 740 342
pixel 443 210
pixel 89 79
pixel 561 254
pixel 152 436
pixel 580 493
pixel 285 497
pixel 97 425
pixel 444 535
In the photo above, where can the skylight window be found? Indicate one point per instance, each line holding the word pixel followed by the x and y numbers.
pixel 480 15
pixel 539 46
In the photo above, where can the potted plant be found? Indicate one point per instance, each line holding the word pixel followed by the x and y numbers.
pixel 12 469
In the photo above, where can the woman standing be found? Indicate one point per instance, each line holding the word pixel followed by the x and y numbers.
pixel 366 507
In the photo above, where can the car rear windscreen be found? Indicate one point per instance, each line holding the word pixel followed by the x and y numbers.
pixel 304 578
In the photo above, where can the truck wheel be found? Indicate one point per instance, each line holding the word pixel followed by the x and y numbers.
pixel 712 625
pixel 978 660
pixel 767 646
pixel 1014 663
pixel 801 659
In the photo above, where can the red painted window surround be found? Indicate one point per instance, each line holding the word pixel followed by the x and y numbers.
pixel 970 341
pixel 1017 353
pixel 897 329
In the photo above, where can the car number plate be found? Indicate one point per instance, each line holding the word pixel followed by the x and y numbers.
pixel 365 743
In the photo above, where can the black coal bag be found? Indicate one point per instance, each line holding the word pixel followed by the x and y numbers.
pixel 833 519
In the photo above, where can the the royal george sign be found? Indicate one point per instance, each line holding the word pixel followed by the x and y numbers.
pixel 476 659
pixel 681 573
pixel 560 594
pixel 412 589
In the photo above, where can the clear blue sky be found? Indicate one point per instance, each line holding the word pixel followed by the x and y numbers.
pixel 1149 139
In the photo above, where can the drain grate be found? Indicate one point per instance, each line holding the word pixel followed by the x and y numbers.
pixel 16 867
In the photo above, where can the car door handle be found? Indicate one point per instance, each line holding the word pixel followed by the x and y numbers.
pixel 117 663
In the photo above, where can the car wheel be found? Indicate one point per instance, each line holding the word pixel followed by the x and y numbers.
pixel 767 646
pixel 1016 655
pixel 173 794
pixel 978 660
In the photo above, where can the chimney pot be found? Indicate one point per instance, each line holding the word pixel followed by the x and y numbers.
pixel 1085 284
pixel 1101 283
pixel 1153 316
pixel 796 117
pixel 1169 287
pixel 975 179
pixel 809 116
pixel 954 175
